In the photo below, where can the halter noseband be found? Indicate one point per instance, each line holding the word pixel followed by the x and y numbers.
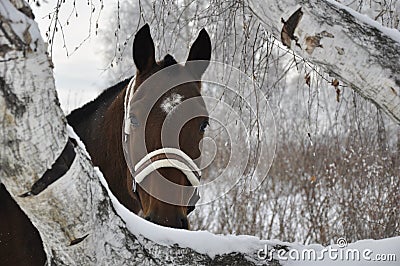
pixel 167 157
pixel 172 158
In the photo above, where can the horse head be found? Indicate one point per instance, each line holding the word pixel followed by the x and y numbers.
pixel 164 123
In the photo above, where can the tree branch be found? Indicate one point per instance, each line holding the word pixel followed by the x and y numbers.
pixel 355 49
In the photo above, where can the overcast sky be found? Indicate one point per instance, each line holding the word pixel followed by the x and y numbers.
pixel 79 77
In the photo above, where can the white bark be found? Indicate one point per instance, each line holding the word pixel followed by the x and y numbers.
pixel 32 135
pixel 358 50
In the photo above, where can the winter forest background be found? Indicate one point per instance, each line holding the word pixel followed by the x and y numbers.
pixel 336 165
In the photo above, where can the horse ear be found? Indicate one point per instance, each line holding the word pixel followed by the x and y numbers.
pixel 200 50
pixel 143 49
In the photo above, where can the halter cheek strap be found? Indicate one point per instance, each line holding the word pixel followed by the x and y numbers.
pixel 127 104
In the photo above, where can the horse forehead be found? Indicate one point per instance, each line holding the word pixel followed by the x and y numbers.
pixel 170 102
pixel 163 81
pixel 166 91
pixel 192 105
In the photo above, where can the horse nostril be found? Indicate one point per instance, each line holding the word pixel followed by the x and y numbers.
pixel 184 223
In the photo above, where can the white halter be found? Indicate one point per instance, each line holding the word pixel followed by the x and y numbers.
pixel 150 163
pixel 186 165
pixel 127 104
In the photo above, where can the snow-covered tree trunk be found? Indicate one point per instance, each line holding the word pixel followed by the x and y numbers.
pixel 348 46
pixel 73 213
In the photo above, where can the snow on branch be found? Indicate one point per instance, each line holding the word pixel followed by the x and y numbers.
pixel 347 45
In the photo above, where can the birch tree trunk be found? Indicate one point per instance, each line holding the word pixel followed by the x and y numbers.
pixel 355 49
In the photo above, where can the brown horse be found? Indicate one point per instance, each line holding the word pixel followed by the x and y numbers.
pixel 137 109
pixel 20 242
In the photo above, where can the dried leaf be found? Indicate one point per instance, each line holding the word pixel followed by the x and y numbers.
pixel 312 42
pixel 289 26
pixel 326 34
pixel 337 94
pixel 339 50
pixel 335 83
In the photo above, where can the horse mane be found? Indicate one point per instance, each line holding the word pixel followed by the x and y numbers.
pixel 105 98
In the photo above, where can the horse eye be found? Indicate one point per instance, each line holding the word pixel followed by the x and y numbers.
pixel 204 125
pixel 134 121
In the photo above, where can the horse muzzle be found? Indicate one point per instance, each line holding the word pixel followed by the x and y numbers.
pixel 169 158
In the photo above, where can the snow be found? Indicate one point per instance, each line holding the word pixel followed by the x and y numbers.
pixel 392 33
pixel 71 133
